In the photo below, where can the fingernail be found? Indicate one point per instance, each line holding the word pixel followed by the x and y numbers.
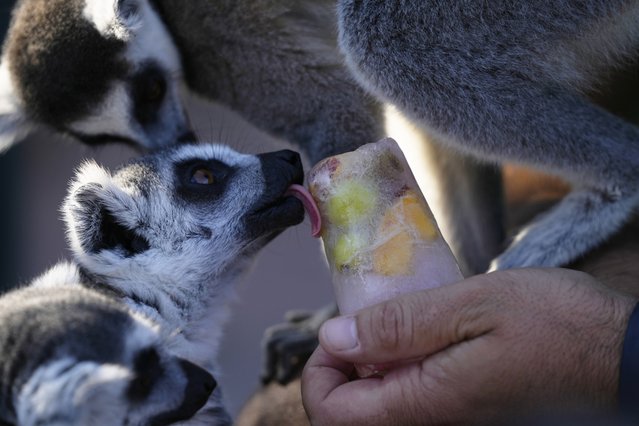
pixel 340 333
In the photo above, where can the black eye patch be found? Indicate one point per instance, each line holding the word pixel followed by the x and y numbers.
pixel 102 139
pixel 148 87
pixel 200 180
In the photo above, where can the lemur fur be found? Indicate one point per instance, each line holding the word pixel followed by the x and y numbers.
pixel 105 70
pixel 507 81
pixel 168 234
pixel 116 70
pixel 73 357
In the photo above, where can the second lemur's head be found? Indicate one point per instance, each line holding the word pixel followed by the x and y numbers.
pixel 73 357
pixel 183 216
pixel 98 70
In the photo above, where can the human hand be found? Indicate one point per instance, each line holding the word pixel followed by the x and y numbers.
pixel 491 345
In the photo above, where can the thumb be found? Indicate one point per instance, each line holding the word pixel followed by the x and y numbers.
pixel 412 325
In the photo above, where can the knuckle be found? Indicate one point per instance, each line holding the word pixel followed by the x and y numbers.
pixel 391 326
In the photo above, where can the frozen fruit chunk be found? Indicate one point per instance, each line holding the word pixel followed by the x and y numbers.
pixel 409 214
pixel 416 216
pixel 351 202
pixel 348 251
pixel 395 256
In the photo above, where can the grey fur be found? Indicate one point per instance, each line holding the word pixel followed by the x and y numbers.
pixel 276 62
pixel 74 357
pixel 507 81
pixel 168 241
pixel 198 239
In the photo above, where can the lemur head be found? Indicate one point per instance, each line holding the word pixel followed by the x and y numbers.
pixel 181 218
pixel 74 357
pixel 99 70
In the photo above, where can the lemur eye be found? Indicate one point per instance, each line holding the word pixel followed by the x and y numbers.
pixel 155 89
pixel 202 180
pixel 149 88
pixel 203 176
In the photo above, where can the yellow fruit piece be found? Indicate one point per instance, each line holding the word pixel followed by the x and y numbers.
pixel 352 202
pixel 394 257
pixel 347 252
pixel 416 216
pixel 408 213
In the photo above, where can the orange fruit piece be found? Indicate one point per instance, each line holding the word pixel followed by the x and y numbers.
pixel 415 215
pixel 395 256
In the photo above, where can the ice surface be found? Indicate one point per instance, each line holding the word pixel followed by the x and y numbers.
pixel 381 238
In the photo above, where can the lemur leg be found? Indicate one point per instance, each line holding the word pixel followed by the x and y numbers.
pixel 468 205
pixel 581 222
pixel 287 346
pixel 496 111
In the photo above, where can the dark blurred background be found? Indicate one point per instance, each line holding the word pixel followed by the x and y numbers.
pixel 289 273
pixel 8 194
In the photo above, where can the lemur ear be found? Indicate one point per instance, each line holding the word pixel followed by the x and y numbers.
pixel 14 125
pixel 100 216
pixel 114 18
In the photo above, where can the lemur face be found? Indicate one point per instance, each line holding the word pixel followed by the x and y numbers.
pixel 99 70
pixel 79 358
pixel 188 214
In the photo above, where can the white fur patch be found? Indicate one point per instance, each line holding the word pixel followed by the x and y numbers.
pixel 215 151
pixel 112 117
pixel 66 392
pixel 108 19
pixel 62 274
pixel 153 41
pixel 13 125
pixel 7 93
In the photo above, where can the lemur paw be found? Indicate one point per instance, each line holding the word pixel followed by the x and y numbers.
pixel 287 346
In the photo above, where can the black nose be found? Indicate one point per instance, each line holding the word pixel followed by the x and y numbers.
pixel 291 157
pixel 281 169
pixel 200 384
pixel 187 137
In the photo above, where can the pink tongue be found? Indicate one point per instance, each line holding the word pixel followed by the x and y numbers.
pixel 302 194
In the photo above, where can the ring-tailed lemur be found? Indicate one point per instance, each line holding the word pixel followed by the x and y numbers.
pixel 116 70
pixel 507 81
pixel 73 357
pixel 109 70
pixel 169 233
pixel 105 70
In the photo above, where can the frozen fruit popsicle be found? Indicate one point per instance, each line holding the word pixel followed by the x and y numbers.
pixel 379 234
